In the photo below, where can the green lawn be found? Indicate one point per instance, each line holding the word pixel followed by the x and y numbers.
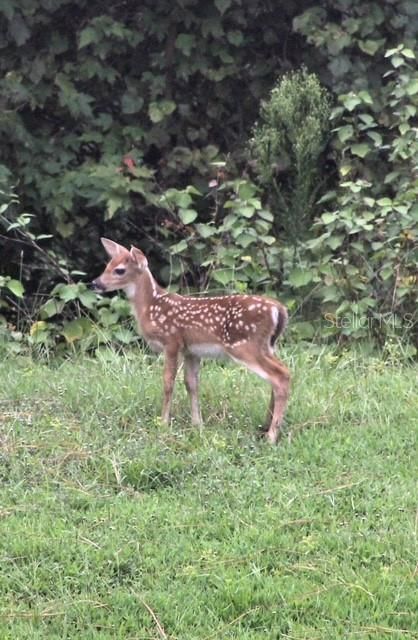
pixel 116 527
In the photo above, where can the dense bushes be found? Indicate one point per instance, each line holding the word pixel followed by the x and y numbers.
pixel 135 120
pixel 365 246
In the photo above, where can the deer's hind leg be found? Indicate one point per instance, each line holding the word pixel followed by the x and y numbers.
pixel 268 367
pixel 280 381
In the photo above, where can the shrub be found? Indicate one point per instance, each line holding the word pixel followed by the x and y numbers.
pixel 287 146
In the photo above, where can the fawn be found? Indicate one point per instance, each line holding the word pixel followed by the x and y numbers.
pixel 243 327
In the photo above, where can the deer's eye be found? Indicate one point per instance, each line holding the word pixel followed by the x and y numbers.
pixel 119 271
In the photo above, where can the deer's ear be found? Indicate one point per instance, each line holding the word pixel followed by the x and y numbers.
pixel 113 249
pixel 138 257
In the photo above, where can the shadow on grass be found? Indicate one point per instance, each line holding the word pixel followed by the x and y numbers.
pixel 164 473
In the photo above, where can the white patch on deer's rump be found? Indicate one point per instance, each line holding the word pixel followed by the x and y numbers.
pixel 275 315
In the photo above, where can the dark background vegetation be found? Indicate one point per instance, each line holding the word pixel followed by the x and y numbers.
pixel 252 145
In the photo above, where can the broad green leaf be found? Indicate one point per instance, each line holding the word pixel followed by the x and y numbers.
pixel 331 293
pixel 191 189
pixel 124 335
pixel 397 61
pixel 157 111
pixel 365 97
pixel 265 215
pixel 376 137
pixel 16 287
pixel 327 218
pixel 73 330
pixel 205 230
pixel 52 308
pixel 268 240
pixel 187 216
pixel 254 202
pixel 223 276
pixel 335 45
pixel 335 241
pixel 391 52
pixel 223 5
pixel 179 247
pixel 350 101
pixel 384 202
pixel 408 53
pixel 131 103
pixel 345 169
pixel 185 42
pixel 369 202
pixel 345 133
pixel 247 212
pixel 413 212
pixel 88 299
pixel 360 150
pixel 304 330
pixel 69 292
pixel 412 87
pixel 367 119
pixel 370 46
pixel 114 203
pixel 387 271
pixel 246 190
pixel 88 36
pixel 38 327
pixel 235 37
pixel 300 277
pixel 183 199
pixel 245 239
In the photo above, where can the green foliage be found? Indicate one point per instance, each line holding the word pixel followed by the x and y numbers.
pixel 234 247
pixel 72 316
pixel 11 289
pixel 102 134
pixel 364 253
pixel 367 247
pixel 100 118
pixel 288 146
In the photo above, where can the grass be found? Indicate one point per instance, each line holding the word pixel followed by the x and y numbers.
pixel 116 527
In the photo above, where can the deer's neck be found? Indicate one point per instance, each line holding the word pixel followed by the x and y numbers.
pixel 143 292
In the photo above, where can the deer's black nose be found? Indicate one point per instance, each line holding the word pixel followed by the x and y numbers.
pixel 96 285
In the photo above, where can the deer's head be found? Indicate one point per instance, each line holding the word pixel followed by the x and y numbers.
pixel 123 268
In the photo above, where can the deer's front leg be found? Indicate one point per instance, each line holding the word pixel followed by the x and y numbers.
pixel 191 380
pixel 170 371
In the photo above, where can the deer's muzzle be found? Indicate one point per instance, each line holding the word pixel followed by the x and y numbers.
pixel 97 285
